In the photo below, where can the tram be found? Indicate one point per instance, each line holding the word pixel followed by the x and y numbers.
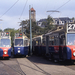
pixel 39 45
pixel 5 44
pixel 21 44
pixel 60 44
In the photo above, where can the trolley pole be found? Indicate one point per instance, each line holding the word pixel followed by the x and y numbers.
pixel 30 30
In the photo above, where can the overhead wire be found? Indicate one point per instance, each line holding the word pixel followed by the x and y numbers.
pixel 23 8
pixel 8 9
pixel 61 6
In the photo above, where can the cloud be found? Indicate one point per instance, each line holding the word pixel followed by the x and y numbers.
pixel 10 22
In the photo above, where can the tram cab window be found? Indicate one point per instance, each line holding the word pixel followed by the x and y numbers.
pixel 70 39
pixel 62 40
pixel 5 43
pixel 18 42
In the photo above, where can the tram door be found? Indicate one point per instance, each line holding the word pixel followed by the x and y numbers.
pixel 62 43
pixel 47 44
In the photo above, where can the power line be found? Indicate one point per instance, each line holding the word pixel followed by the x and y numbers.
pixel 62 5
pixel 9 9
pixel 23 8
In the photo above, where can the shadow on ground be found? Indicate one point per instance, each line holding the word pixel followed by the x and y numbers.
pixel 42 60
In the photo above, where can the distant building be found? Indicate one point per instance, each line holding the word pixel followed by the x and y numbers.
pixel 56 21
pixel 33 15
pixel 42 23
pixel 61 21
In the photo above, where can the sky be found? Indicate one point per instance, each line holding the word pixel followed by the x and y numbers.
pixel 12 12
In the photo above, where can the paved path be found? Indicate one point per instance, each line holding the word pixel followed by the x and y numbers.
pixel 39 66
pixel 34 66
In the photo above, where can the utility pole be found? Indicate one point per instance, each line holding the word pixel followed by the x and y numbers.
pixel 30 30
pixel 22 28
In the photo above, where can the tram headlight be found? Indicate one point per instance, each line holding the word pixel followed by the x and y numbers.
pixel 18 51
pixel 5 52
pixel 74 54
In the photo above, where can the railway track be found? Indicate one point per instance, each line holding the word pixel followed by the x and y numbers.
pixel 13 66
pixel 10 67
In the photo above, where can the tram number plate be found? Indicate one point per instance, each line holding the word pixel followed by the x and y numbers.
pixel 71 27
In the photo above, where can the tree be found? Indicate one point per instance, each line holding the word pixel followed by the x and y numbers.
pixel 0 30
pixel 49 25
pixel 36 30
pixel 49 20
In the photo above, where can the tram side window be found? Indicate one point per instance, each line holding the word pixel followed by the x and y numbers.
pixel 52 42
pixel 56 41
pixel 44 43
pixel 62 40
pixel 36 42
pixel 25 42
pixel 39 42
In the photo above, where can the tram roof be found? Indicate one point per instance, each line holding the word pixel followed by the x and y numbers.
pixel 63 29
pixel 38 36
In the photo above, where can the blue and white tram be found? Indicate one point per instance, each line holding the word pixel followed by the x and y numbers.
pixel 21 44
pixel 5 44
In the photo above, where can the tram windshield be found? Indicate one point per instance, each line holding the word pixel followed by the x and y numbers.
pixel 71 39
pixel 18 42
pixel 5 43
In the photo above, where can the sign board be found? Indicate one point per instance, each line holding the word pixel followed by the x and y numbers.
pixel 70 28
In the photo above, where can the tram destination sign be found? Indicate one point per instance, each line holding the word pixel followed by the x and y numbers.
pixel 18 35
pixel 4 34
pixel 71 28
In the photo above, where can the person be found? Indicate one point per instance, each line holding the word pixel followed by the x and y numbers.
pixel 74 42
pixel 70 43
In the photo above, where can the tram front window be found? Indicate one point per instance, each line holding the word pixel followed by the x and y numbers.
pixel 5 43
pixel 71 39
pixel 18 42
